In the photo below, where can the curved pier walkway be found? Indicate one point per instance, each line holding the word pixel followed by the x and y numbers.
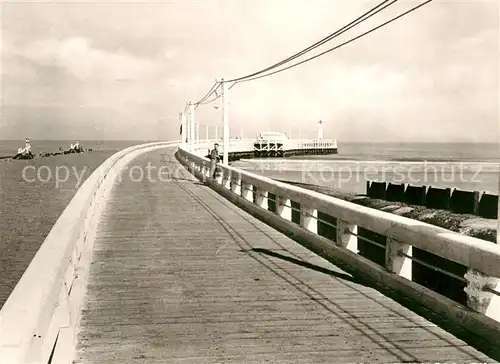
pixel 181 275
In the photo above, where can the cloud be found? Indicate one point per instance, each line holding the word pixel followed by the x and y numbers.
pixel 436 69
pixel 77 56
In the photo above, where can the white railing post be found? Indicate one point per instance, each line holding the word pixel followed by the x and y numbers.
pixel 284 207
pixel 226 180
pixel 395 262
pixel 309 219
pixel 203 171
pixel 219 176
pixel 236 184
pixel 345 237
pixel 247 191
pixel 480 297
pixel 261 198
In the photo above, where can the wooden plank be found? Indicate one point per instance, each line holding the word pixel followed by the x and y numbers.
pixel 180 275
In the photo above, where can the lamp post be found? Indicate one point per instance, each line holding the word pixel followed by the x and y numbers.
pixel 225 122
pixel 183 128
pixel 192 130
pixel 320 130
pixel 197 133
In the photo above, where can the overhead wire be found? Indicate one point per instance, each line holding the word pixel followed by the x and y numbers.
pixel 326 39
pixel 340 45
pixel 208 94
pixel 257 75
pixel 217 96
pixel 340 31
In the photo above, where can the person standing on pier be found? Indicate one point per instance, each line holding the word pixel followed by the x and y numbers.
pixel 214 158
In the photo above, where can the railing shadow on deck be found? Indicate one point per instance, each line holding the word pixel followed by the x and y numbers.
pixel 306 264
pixel 415 307
pixel 339 231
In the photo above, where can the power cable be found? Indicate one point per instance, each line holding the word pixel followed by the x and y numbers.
pixel 217 96
pixel 208 94
pixel 340 45
pixel 333 35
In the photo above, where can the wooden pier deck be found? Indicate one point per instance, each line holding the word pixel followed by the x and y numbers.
pixel 181 275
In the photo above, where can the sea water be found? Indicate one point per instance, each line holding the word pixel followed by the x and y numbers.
pixel 31 204
pixel 473 167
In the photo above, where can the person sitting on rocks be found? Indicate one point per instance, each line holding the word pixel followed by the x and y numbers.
pixel 75 148
pixel 27 145
pixel 24 153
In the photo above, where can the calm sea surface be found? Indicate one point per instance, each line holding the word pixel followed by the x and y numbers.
pixel 30 206
pixel 472 167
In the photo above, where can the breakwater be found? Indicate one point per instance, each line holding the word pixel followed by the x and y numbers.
pixel 44 154
pixel 451 199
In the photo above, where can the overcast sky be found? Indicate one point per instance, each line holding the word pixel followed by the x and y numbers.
pixel 124 70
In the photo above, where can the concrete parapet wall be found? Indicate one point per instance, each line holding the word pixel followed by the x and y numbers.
pixel 40 318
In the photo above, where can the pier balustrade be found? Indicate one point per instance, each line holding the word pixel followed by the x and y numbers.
pixel 337 230
pixel 39 319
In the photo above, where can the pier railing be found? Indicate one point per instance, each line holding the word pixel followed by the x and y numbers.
pixel 249 145
pixel 331 227
pixel 310 144
pixel 39 319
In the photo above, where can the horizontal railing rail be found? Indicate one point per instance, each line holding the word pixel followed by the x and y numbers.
pixel 303 212
pixel 251 145
pixel 43 309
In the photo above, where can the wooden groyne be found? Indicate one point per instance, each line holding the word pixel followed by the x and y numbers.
pixel 451 199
